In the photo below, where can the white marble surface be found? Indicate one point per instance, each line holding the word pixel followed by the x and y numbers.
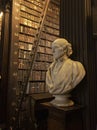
pixel 64 74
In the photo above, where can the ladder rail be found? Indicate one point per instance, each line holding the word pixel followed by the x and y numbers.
pixel 33 57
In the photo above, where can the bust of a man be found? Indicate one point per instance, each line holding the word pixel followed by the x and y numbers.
pixel 64 74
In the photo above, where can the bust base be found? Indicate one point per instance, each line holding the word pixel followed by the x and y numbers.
pixel 62 101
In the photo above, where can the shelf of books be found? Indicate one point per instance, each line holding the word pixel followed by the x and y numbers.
pixel 25 22
pixel 30 11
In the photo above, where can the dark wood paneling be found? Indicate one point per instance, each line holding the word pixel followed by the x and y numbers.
pixel 94 11
pixel 76 26
pixel 71 26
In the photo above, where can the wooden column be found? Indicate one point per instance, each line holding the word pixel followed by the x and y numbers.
pixel 4 52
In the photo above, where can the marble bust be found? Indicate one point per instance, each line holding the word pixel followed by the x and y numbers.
pixel 64 74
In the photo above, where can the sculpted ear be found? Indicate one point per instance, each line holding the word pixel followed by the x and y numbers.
pixel 66 51
pixel 69 50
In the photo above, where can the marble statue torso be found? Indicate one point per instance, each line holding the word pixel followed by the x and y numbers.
pixel 63 76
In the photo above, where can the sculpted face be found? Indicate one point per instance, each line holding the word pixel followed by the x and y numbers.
pixel 57 51
pixel 59 48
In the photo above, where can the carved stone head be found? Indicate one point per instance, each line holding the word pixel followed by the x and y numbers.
pixel 61 47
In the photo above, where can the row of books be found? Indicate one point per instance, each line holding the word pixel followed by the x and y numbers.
pixel 27 46
pixel 23 46
pixel 26 55
pixel 45 44
pixel 36 2
pixel 33 24
pixel 44 57
pixel 39 65
pixel 29 10
pixel 29 23
pixel 37 87
pixel 26 38
pixel 32 31
pixel 30 39
pixel 29 16
pixel 33 6
pixel 36 75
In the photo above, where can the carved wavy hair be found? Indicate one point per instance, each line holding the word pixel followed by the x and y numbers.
pixel 67 47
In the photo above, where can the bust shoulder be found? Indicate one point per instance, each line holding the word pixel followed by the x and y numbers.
pixel 77 65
